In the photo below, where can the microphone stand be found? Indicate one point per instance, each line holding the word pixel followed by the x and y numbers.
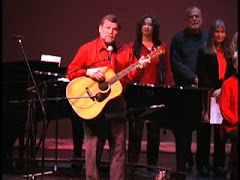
pixel 31 123
pixel 42 138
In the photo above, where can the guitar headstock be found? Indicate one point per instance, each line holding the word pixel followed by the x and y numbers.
pixel 156 52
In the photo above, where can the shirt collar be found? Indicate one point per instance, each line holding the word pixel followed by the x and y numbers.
pixel 101 46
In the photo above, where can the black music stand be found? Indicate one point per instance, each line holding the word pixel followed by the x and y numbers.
pixel 45 127
pixel 34 94
pixel 31 116
pixel 55 168
pixel 139 114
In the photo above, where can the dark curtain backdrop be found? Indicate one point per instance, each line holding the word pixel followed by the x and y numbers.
pixel 59 27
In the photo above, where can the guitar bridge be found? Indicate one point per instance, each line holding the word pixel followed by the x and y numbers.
pixel 90 94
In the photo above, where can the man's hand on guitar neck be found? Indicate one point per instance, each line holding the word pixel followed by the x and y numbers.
pixel 143 62
pixel 96 74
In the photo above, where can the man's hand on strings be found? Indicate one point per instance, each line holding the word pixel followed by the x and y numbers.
pixel 96 74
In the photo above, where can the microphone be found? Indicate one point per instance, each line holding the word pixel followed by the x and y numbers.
pixel 17 37
pixel 110 50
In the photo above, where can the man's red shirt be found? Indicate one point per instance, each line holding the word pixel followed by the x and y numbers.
pixel 94 54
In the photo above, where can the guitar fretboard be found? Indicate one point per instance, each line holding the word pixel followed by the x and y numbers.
pixel 123 73
pixel 156 52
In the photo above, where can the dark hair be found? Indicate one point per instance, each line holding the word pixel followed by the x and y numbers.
pixel 111 18
pixel 209 46
pixel 156 31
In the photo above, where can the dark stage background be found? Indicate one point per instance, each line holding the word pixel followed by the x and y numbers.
pixel 59 27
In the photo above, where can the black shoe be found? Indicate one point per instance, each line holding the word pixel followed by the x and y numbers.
pixel 188 166
pixel 219 171
pixel 204 171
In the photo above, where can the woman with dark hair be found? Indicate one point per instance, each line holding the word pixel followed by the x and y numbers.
pixel 213 67
pixel 157 73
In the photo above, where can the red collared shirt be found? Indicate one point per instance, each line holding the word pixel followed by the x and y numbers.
pixel 94 54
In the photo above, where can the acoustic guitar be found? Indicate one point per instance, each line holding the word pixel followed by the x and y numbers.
pixel 88 97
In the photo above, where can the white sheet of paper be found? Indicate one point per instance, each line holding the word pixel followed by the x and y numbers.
pixel 215 114
pixel 50 58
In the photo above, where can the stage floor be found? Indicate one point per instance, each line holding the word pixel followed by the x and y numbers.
pixel 65 170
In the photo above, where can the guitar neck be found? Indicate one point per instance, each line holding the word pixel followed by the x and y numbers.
pixel 123 73
pixel 156 52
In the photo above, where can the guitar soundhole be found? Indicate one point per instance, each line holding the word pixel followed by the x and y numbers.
pixel 104 91
pixel 103 86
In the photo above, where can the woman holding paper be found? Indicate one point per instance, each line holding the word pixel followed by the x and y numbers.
pixel 213 67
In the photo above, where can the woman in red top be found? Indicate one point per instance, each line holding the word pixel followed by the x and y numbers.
pixel 229 108
pixel 158 72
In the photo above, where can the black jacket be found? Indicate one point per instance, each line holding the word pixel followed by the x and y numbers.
pixel 208 72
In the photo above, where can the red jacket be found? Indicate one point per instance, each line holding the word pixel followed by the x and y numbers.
pixel 151 73
pixel 228 103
